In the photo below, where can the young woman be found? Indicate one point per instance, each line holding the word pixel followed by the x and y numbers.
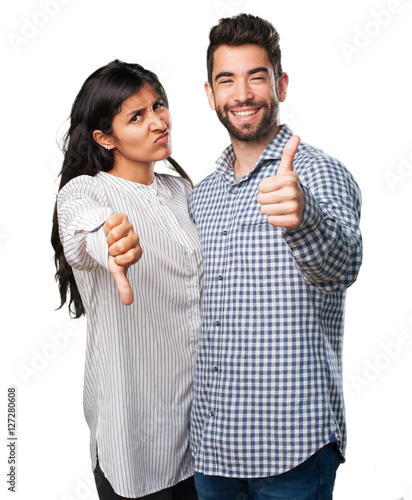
pixel 141 303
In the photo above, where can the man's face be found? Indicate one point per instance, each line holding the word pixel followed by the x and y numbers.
pixel 244 92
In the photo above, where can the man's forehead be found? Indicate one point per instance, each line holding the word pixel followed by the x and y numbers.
pixel 240 59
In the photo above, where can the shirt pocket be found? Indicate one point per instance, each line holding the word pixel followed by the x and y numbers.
pixel 260 255
pixel 251 222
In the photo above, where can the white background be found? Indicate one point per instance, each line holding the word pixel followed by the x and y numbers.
pixel 350 75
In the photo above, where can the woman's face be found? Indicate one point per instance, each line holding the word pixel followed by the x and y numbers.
pixel 141 131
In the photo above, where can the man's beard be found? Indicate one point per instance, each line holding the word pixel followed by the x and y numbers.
pixel 247 132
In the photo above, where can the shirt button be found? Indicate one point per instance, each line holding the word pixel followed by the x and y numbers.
pixel 212 413
pixel 220 277
pixel 217 323
pixel 215 368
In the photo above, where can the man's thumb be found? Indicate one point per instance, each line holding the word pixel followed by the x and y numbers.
pixel 289 151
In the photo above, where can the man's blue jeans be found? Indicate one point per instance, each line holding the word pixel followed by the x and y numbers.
pixel 311 480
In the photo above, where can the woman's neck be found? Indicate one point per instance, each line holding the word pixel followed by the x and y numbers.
pixel 142 174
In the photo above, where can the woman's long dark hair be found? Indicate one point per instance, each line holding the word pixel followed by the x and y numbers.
pixel 98 102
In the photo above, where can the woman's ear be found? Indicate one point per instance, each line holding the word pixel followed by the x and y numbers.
pixel 104 140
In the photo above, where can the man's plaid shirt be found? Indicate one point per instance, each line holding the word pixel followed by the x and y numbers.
pixel 268 382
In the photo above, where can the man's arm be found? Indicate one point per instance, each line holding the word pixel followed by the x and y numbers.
pixel 320 219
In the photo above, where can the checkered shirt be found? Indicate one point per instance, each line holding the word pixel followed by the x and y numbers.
pixel 268 382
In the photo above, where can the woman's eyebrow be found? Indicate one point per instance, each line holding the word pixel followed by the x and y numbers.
pixel 135 112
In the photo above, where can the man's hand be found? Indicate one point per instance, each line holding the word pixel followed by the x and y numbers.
pixel 281 196
pixel 124 251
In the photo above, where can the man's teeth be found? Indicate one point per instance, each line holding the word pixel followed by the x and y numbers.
pixel 245 113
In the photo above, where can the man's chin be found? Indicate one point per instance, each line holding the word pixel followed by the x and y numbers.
pixel 249 134
pixel 243 137
pixel 246 132
pixel 243 133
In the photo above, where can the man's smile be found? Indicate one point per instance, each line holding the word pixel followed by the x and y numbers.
pixel 245 113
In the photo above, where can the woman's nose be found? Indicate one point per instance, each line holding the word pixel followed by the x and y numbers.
pixel 157 122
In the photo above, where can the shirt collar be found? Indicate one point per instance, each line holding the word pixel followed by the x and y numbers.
pixel 130 186
pixel 273 151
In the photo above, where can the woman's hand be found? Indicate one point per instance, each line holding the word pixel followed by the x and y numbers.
pixel 124 251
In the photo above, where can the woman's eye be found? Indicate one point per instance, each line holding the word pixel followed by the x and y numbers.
pixel 136 118
pixel 158 105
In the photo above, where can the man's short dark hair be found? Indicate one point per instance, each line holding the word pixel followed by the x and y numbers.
pixel 242 29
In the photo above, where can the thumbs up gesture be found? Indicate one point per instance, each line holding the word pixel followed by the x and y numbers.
pixel 124 250
pixel 281 196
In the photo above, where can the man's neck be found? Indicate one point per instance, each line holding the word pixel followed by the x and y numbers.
pixel 247 153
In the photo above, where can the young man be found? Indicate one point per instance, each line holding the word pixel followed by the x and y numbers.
pixel 281 243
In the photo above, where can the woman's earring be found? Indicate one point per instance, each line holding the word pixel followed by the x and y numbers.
pixel 108 147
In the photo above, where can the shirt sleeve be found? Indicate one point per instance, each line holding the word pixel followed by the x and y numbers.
pixel 82 210
pixel 327 246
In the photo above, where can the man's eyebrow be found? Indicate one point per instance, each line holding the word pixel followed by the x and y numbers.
pixel 260 69
pixel 223 73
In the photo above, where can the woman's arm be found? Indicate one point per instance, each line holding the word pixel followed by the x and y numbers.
pixel 92 236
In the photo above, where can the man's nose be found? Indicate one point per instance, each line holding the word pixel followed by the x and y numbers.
pixel 243 91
